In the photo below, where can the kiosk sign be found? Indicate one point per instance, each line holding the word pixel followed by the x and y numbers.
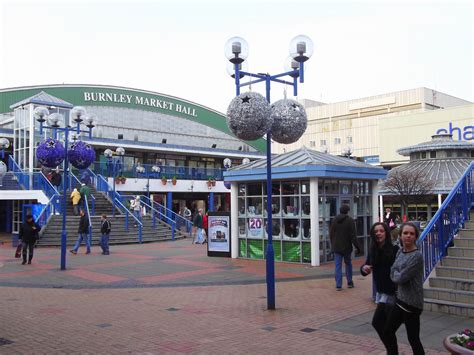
pixel 219 234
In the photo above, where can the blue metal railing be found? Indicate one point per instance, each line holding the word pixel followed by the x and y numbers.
pixel 103 186
pixel 22 178
pixel 50 208
pixel 447 221
pixel 180 172
pixel 180 220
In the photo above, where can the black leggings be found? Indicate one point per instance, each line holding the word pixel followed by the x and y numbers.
pixel 30 246
pixel 379 319
pixel 395 319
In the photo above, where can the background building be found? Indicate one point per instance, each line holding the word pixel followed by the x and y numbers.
pixel 373 128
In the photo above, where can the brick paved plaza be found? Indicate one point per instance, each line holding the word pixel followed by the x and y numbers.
pixel 171 298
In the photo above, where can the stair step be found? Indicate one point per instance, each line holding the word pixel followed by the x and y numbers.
pixel 452 283
pixel 455 272
pixel 464 252
pixel 458 262
pixel 467 233
pixel 466 297
pixel 464 242
pixel 448 307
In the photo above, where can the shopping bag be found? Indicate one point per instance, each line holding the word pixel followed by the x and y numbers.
pixel 18 251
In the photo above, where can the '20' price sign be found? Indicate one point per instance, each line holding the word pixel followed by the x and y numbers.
pixel 256 227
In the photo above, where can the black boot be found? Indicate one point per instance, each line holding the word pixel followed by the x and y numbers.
pixel 30 257
pixel 24 260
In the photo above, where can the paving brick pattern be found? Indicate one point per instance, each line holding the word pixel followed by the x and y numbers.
pixel 90 311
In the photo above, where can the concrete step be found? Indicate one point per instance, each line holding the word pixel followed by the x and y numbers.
pixel 452 283
pixel 466 297
pixel 455 272
pixel 464 242
pixel 449 307
pixel 469 224
pixel 467 233
pixel 463 252
pixel 458 262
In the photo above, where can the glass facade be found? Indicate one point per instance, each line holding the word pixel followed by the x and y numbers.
pixel 291 216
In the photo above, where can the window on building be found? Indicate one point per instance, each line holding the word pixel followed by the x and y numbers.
pixel 423 155
pixel 449 154
pixel 322 142
pixel 349 139
pixel 312 144
pixel 433 154
pixel 337 140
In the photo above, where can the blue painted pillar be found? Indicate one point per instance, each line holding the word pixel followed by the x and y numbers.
pixel 169 204
pixel 211 202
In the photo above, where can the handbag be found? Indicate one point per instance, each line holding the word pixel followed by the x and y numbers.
pixel 18 251
pixel 391 224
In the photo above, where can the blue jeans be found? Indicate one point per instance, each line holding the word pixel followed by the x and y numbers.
pixel 338 275
pixel 199 236
pixel 80 237
pixel 137 214
pixel 104 243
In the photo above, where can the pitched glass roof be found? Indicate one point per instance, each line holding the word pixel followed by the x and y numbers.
pixel 43 98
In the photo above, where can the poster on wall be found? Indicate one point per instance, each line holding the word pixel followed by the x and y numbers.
pixel 256 227
pixel 218 234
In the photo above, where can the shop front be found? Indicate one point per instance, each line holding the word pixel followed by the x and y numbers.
pixel 308 188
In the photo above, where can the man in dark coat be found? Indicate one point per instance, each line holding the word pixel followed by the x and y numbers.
pixel 343 235
pixel 28 236
pixel 83 231
pixel 56 178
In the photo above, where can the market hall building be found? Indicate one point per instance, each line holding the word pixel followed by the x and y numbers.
pixel 187 141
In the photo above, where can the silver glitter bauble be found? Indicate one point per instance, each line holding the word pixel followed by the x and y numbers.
pixel 3 169
pixel 248 116
pixel 289 121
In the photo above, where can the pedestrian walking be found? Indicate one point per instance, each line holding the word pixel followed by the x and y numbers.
pixel 28 235
pixel 379 260
pixel 136 209
pixel 204 227
pixel 407 274
pixel 85 192
pixel 105 229
pixel 197 224
pixel 343 235
pixel 83 234
pixel 389 219
pixel 76 199
pixel 56 178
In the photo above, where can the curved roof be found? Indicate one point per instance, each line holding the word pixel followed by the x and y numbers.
pixel 103 95
pixel 438 142
pixel 444 172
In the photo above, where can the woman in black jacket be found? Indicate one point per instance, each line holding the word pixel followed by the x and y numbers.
pixel 28 236
pixel 379 261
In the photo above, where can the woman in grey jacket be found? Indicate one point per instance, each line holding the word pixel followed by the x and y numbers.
pixel 407 273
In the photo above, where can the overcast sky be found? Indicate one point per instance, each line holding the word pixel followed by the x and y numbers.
pixel 176 47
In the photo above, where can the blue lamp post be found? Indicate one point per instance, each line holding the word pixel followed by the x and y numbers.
pixel 4 144
pixel 236 51
pixel 51 153
pixel 115 164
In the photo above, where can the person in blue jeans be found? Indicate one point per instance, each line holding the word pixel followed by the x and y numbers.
pixel 105 230
pixel 83 231
pixel 343 235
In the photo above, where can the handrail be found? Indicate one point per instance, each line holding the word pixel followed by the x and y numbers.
pixel 89 218
pixel 48 183
pixel 175 216
pixel 447 221
pixel 94 177
pixel 103 186
pixel 170 222
pixel 75 178
pixel 47 211
pixel 127 212
pixel 22 177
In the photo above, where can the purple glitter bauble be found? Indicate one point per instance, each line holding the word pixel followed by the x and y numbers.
pixel 81 155
pixel 50 153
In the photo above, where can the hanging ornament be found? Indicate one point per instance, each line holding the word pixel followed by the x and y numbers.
pixel 248 116
pixel 50 153
pixel 289 121
pixel 81 155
